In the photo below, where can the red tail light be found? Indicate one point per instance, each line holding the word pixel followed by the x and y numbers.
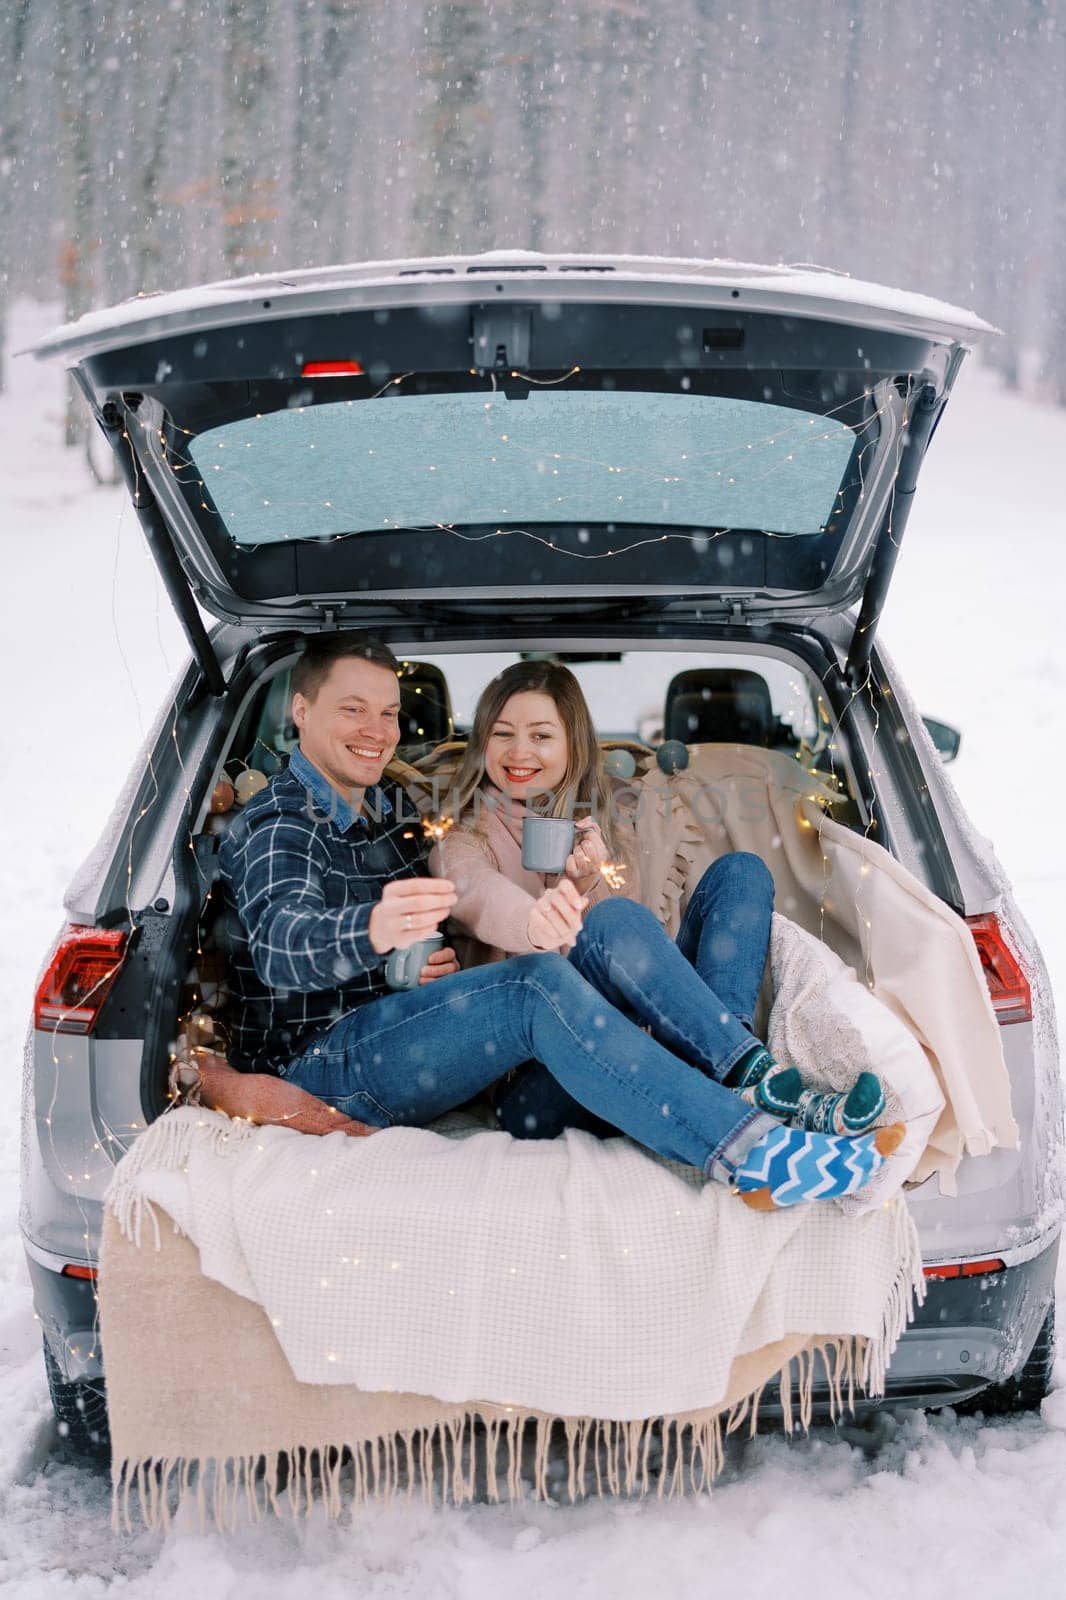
pixel 331 369
pixel 76 1270
pixel 1008 986
pixel 80 974
pixel 966 1269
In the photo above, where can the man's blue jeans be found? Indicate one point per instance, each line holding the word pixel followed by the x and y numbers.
pixel 410 1056
pixel 697 996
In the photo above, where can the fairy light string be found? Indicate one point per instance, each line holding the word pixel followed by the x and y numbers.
pixel 727 462
pixel 797 433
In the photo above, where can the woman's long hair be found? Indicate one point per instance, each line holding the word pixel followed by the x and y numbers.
pixel 585 787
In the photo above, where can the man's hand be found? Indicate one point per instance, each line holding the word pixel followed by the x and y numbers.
pixel 441 964
pixel 408 910
pixel 589 853
pixel 556 917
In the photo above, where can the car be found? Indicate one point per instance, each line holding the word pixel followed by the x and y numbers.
pixel 689 481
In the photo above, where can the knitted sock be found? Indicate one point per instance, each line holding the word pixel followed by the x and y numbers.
pixel 781 1093
pixel 793 1165
pixel 750 1070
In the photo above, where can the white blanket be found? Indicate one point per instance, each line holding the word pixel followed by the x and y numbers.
pixel 574 1276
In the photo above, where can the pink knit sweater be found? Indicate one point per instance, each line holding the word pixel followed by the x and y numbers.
pixel 495 892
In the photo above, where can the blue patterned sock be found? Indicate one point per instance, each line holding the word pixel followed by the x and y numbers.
pixel 794 1165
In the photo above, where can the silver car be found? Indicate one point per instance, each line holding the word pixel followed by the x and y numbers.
pixel 687 480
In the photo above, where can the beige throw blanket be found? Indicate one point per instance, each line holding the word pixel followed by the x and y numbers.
pixel 203 1405
pixel 916 955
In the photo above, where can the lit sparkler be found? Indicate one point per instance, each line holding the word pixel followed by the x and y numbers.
pixel 613 874
pixel 436 830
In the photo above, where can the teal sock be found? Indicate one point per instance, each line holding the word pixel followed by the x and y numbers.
pixel 751 1069
pixel 780 1092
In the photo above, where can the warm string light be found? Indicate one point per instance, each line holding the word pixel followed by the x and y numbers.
pixel 178 465
pixel 437 829
pixel 112 1136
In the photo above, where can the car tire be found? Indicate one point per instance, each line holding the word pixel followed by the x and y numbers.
pixel 81 1411
pixel 1029 1385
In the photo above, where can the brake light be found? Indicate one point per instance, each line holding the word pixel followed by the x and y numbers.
pixel 331 369
pixel 1012 999
pixel 966 1269
pixel 83 968
pixel 73 1269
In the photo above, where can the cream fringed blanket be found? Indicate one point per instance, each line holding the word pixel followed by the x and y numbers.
pixel 571 1279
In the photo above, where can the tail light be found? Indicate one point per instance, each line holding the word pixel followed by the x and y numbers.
pixel 966 1269
pixel 1012 1000
pixel 80 975
pixel 331 369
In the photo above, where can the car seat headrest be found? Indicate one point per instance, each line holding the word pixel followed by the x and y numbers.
pixel 719 705
pixel 425 705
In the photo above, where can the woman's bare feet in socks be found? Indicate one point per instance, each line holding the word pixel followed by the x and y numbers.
pixel 261 1098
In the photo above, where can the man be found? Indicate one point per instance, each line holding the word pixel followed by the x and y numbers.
pixel 326 872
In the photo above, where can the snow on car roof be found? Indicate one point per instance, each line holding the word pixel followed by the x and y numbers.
pixel 798 290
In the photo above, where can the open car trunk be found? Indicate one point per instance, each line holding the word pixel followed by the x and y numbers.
pixel 455 437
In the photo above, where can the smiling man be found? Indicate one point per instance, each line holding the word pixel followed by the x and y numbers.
pixel 326 867
pixel 326 873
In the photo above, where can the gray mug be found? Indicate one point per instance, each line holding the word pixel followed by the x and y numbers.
pixel 403 969
pixel 546 843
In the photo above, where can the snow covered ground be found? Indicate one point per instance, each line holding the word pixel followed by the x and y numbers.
pixel 903 1506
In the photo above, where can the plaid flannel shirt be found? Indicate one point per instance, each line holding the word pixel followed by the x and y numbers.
pixel 301 874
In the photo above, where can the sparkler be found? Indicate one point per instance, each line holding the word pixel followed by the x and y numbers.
pixel 613 874
pixel 437 830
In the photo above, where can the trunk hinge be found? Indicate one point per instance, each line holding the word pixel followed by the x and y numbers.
pixel 328 614
pixel 116 422
pixel 919 423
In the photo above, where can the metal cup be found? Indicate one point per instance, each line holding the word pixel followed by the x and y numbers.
pixel 403 969
pixel 546 843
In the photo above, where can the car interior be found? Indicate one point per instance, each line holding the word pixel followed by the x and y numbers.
pixel 763 701
pixel 721 704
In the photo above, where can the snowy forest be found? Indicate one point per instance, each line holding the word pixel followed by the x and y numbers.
pixel 149 144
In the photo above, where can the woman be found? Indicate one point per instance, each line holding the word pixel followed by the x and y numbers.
pixel 533 741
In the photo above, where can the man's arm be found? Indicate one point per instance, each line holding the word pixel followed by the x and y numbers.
pixel 296 940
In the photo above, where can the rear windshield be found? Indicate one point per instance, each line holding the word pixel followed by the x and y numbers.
pixel 464 459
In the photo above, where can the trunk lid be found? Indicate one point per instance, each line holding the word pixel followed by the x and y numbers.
pixel 512 432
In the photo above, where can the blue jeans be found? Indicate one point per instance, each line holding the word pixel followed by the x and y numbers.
pixel 697 996
pixel 408 1057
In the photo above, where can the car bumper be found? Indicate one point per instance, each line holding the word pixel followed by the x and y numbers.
pixel 969 1332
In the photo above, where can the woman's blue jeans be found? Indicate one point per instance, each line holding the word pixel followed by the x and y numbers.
pixel 410 1056
pixel 697 996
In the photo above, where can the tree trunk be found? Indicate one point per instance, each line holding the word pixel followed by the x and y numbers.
pixel 76 86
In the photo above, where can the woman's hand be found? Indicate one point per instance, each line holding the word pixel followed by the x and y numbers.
pixel 409 909
pixel 555 919
pixel 588 855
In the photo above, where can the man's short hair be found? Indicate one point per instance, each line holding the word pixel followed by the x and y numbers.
pixel 323 649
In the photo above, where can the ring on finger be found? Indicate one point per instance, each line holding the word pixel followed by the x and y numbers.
pixel 408 921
